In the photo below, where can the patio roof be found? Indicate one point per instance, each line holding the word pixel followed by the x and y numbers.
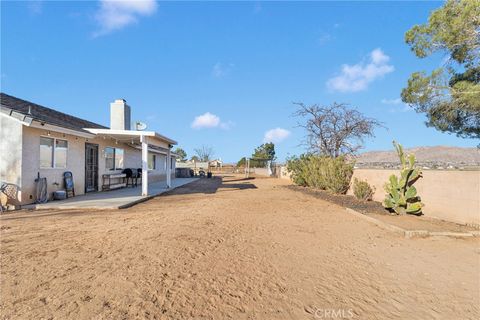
pixel 129 135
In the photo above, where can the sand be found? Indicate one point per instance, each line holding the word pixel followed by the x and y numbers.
pixel 229 250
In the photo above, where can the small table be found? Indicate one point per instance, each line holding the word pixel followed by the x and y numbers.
pixel 119 181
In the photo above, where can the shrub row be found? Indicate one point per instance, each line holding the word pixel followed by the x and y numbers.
pixel 325 173
pixel 334 175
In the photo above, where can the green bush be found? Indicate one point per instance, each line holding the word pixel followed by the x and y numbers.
pixel 296 167
pixel 362 190
pixel 325 173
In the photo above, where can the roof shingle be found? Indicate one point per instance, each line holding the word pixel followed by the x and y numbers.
pixel 47 115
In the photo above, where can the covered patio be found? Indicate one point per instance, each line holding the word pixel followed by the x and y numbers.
pixel 146 141
pixel 115 199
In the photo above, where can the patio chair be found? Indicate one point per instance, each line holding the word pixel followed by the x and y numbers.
pixel 69 185
pixel 10 190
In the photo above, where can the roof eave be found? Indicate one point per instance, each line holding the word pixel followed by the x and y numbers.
pixel 172 142
pixel 132 133
pixel 50 127
pixel 28 121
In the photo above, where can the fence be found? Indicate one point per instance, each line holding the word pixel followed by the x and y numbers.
pixel 450 195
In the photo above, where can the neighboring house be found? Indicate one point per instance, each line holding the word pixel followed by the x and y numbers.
pixel 36 140
pixel 192 164
pixel 217 163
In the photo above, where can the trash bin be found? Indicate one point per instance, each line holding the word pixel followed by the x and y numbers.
pixel 209 174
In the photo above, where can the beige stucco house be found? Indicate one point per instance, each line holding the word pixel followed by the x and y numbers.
pixel 39 141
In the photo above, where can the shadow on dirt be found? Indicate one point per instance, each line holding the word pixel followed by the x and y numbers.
pixel 201 186
pixel 210 186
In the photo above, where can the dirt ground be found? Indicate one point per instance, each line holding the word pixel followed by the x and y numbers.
pixel 376 210
pixel 231 249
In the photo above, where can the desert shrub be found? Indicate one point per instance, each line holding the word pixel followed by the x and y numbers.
pixel 297 167
pixel 325 173
pixel 362 190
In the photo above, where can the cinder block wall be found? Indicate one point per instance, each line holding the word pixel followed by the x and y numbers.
pixel 447 195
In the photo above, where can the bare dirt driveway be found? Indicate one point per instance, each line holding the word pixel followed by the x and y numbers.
pixel 231 249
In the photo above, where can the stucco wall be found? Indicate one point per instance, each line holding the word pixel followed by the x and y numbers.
pixel 160 172
pixel 11 156
pixel 448 195
pixel 75 162
pixel 260 171
pixel 31 163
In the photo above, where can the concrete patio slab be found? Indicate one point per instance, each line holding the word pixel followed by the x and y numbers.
pixel 114 199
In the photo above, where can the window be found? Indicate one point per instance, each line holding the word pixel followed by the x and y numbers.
pixel 61 147
pixel 152 159
pixel 109 158
pixel 46 152
pixel 113 158
pixel 53 153
pixel 118 158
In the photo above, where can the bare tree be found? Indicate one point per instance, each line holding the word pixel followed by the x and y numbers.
pixel 334 130
pixel 204 153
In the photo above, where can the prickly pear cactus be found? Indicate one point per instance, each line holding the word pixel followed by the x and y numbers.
pixel 401 195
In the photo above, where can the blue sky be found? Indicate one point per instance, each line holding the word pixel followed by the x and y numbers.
pixel 222 74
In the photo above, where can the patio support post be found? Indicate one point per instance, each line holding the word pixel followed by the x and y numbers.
pixel 144 141
pixel 169 168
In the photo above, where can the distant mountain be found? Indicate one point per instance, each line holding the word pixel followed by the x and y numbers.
pixel 429 156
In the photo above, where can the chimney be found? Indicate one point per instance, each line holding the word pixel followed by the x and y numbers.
pixel 119 115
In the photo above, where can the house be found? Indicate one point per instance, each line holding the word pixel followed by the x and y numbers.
pixel 39 141
pixel 204 165
pixel 196 166
pixel 217 163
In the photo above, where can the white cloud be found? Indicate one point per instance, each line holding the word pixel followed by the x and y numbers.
pixel 403 108
pixel 357 77
pixel 220 70
pixel 392 101
pixel 209 120
pixel 276 135
pixel 116 14
pixel 206 120
pixel 398 105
